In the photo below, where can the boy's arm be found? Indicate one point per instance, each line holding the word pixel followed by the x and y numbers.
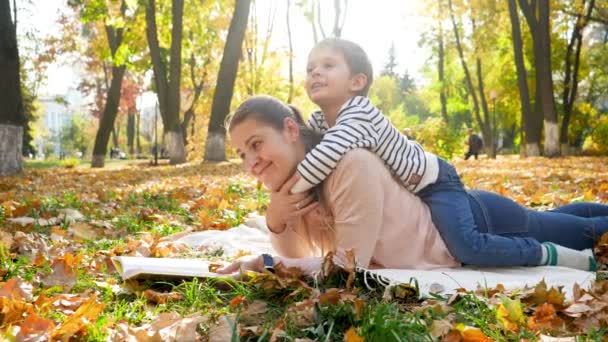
pixel 316 122
pixel 355 130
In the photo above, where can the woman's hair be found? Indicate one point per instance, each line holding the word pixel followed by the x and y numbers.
pixel 272 112
pixel 356 58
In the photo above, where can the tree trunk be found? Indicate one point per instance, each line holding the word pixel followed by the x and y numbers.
pixel 546 81
pixel 488 139
pixel 571 73
pixel 10 149
pixel 441 68
pixel 106 122
pixel 528 142
pixel 318 17
pixel 339 12
pixel 12 117
pixel 131 133
pixel 290 95
pixel 137 134
pixel 216 134
pixel 114 136
pixel 168 84
pixel 188 115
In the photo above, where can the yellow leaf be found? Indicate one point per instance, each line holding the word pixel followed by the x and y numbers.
pixel 86 314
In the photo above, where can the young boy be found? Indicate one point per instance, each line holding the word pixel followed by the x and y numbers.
pixel 339 75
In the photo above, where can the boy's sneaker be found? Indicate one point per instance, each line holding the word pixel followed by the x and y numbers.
pixel 600 254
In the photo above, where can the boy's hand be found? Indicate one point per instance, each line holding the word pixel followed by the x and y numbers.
pixel 285 206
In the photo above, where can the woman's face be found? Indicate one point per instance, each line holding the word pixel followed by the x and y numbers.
pixel 267 153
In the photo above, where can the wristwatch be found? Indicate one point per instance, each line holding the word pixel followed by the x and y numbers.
pixel 268 262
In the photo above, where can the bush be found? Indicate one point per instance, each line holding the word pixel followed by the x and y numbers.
pixel 437 137
pixel 597 142
pixel 70 163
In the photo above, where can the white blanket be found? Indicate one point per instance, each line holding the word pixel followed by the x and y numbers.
pixel 253 237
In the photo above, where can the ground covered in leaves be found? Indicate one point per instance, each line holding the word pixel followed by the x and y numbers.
pixel 60 227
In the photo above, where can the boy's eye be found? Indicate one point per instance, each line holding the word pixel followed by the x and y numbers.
pixel 256 145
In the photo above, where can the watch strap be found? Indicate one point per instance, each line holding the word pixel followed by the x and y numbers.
pixel 268 262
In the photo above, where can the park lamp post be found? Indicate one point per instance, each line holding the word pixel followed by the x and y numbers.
pixel 493 97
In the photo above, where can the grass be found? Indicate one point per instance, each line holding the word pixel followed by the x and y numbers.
pixel 78 163
pixel 135 202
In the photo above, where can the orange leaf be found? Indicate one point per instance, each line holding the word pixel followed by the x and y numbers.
pixel 162 298
pixel 352 336
pixel 35 328
pixel 544 317
pixel 331 296
pixel 236 301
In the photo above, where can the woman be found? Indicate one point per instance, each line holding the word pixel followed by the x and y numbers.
pixel 363 208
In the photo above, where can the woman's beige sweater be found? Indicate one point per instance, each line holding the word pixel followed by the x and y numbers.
pixel 370 212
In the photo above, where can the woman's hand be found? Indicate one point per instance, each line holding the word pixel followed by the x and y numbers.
pixel 285 206
pixel 245 263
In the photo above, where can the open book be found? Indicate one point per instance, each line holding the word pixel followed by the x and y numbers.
pixel 139 267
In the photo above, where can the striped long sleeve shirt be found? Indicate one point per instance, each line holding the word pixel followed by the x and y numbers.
pixel 359 124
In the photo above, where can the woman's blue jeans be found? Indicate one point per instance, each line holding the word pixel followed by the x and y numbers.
pixel 485 229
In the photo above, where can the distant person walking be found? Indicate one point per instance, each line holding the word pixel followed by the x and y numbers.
pixel 475 145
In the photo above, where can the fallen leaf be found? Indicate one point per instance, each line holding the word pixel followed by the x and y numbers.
pixel 155 297
pixel 64 272
pixel 352 336
pixel 86 314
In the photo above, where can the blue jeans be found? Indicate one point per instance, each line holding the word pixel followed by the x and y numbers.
pixel 485 229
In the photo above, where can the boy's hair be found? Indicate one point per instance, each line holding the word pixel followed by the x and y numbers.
pixel 355 57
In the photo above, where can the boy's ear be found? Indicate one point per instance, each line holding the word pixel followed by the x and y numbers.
pixel 358 82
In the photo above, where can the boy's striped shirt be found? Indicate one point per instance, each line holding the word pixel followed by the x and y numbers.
pixel 360 124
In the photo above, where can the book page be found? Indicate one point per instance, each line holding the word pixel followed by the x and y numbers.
pixel 135 267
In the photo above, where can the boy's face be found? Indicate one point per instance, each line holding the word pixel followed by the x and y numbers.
pixel 328 78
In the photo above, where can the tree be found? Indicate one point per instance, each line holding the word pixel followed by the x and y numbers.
pixel 107 61
pixel 215 149
pixel 572 69
pixel 167 82
pixel 12 118
pixel 131 90
pixel 537 14
pixel 391 64
pixel 484 124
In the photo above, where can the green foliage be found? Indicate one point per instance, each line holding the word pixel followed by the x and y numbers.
pixel 597 141
pixel 437 137
pixel 385 322
pixel 385 93
pixel 73 136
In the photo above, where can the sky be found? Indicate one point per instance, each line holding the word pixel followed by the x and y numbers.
pixel 375 25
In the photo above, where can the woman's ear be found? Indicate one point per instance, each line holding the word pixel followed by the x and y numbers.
pixel 291 129
pixel 358 82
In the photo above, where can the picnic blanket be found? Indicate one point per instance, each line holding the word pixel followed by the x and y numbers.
pixel 253 236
